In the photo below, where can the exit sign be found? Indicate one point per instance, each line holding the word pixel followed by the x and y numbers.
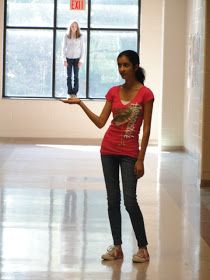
pixel 77 4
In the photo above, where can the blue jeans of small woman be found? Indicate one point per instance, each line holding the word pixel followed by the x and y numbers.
pixel 111 165
pixel 72 67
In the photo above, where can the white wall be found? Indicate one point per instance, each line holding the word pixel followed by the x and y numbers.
pixel 194 76
pixel 205 174
pixel 46 119
pixel 174 34
pixel 1 47
pixel 151 55
pixel 197 88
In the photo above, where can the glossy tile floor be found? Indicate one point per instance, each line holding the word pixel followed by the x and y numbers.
pixel 54 224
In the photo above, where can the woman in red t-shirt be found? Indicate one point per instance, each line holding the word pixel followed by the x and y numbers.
pixel 131 105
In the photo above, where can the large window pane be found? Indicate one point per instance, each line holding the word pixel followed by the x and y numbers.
pixel 104 49
pixel 114 14
pixel 34 30
pixel 65 15
pixel 29 63
pixel 60 77
pixel 30 12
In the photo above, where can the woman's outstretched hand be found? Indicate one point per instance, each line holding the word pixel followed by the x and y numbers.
pixel 71 100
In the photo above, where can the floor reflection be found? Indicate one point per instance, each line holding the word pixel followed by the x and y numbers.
pixel 139 270
pixel 54 222
pixel 115 268
pixel 49 230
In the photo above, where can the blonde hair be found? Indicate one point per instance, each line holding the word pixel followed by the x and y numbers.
pixel 69 32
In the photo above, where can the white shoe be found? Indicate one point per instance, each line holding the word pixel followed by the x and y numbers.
pixel 141 256
pixel 113 253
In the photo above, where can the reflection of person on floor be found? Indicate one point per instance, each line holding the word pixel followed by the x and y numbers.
pixel 69 238
pixel 70 205
pixel 139 270
pixel 73 56
pixel 115 266
pixel 131 105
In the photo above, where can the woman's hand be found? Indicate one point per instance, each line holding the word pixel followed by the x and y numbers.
pixel 71 100
pixel 65 63
pixel 139 168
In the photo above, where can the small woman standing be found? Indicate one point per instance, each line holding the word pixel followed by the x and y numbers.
pixel 73 55
pixel 131 105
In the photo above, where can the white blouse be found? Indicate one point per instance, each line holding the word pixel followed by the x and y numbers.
pixel 73 48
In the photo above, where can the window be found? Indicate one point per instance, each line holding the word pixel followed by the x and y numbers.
pixel 34 30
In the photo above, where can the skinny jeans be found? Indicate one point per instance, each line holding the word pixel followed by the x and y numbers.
pixel 72 67
pixel 111 165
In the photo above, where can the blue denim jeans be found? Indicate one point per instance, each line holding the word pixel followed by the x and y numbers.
pixel 111 165
pixel 72 65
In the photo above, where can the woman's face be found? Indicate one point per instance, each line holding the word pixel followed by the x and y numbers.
pixel 74 27
pixel 126 68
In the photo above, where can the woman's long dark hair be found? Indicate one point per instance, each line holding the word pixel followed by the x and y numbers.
pixel 134 59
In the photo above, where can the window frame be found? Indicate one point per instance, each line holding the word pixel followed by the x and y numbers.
pixel 54 30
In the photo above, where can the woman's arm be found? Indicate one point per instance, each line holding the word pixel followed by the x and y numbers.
pixel 146 129
pixel 100 120
pixel 139 166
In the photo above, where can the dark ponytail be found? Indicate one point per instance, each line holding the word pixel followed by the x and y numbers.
pixel 140 75
pixel 134 59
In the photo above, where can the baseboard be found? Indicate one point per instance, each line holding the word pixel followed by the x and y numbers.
pixel 172 148
pixel 74 141
pixel 205 183
pixel 59 141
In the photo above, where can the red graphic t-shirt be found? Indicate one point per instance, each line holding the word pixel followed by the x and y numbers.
pixel 122 136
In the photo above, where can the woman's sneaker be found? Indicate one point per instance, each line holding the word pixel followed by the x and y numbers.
pixel 113 253
pixel 141 256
